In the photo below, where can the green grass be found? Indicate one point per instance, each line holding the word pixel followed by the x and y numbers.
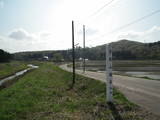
pixel 10 68
pixel 43 94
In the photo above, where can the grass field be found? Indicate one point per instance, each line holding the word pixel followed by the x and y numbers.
pixel 10 68
pixel 43 94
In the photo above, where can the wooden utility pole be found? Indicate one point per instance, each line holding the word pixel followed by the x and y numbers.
pixel 73 54
pixel 109 86
pixel 84 64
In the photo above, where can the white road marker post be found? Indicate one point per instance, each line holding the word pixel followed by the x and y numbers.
pixel 109 86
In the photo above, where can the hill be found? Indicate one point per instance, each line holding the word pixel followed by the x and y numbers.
pixel 5 56
pixel 125 49
pixel 122 50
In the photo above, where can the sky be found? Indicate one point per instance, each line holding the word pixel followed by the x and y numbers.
pixel 33 25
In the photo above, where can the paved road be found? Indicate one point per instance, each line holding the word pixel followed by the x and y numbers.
pixel 145 93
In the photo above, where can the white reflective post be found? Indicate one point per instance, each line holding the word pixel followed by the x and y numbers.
pixel 109 87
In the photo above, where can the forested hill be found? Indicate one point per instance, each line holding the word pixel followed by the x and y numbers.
pixel 5 56
pixel 123 49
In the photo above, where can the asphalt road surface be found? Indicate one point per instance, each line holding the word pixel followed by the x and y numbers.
pixel 145 93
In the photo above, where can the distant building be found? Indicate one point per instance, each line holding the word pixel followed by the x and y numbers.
pixel 80 59
pixel 86 59
pixel 45 58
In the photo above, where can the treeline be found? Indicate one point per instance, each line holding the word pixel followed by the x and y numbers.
pixel 122 50
pixel 5 56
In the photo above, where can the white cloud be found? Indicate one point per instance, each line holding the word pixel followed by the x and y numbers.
pixel 150 35
pixel 21 34
pixel 13 45
pixel 21 40
pixel 45 35
pixel 1 4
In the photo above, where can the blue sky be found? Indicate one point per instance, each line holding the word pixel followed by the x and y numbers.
pixel 27 25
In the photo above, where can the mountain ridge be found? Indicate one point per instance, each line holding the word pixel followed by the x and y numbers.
pixel 122 49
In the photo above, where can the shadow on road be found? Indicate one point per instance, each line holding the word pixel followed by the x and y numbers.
pixel 114 111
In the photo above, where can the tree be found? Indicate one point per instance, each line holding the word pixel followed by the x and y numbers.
pixel 57 57
pixel 4 56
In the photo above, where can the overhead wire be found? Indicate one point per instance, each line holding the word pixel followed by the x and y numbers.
pixel 97 11
pixel 136 21
pixel 101 8
pixel 129 24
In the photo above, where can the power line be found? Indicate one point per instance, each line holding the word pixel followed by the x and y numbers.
pixel 136 21
pixel 131 23
pixel 101 8
pixel 97 11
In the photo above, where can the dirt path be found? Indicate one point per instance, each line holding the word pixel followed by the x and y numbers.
pixel 145 93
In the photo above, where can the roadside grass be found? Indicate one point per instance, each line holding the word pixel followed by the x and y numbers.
pixel 10 68
pixel 44 94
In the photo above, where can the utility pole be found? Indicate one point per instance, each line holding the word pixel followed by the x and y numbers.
pixel 73 54
pixel 84 64
pixel 109 86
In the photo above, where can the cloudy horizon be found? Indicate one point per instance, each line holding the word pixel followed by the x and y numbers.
pixel 46 25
